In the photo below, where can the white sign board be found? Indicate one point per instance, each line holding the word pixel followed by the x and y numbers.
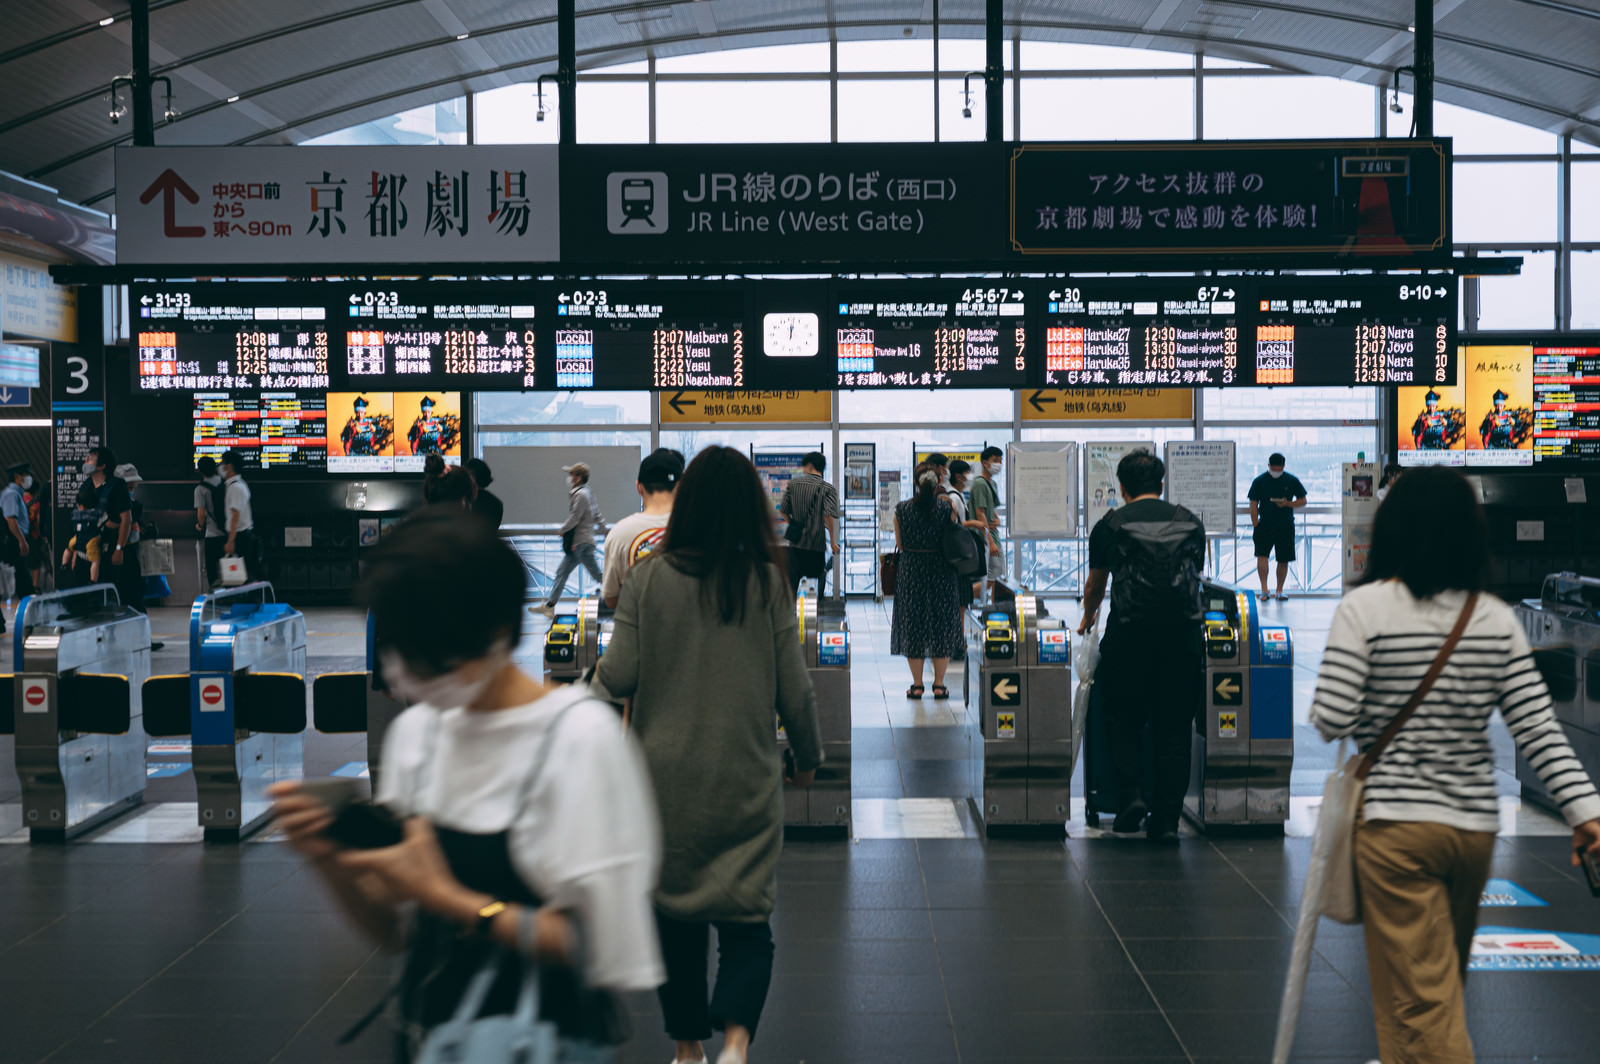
pixel 1041 490
pixel 393 204
pixel 35 695
pixel 1358 506
pixel 1200 478
pixel 1101 492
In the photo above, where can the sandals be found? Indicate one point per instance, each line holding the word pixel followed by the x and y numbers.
pixel 914 691
pixel 940 692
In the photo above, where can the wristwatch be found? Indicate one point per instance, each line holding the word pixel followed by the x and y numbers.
pixel 486 917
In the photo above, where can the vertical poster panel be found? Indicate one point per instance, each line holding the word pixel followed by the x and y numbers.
pixel 1433 425
pixel 777 468
pixel 859 462
pixel 1101 492
pixel 1359 505
pixel 1499 404
pixel 1041 490
pixel 1201 478
pixel 888 498
pixel 77 420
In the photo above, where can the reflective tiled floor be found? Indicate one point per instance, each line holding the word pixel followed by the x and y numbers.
pixel 917 941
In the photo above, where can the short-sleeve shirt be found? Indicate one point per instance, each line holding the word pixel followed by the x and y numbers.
pixel 985 505
pixel 1267 487
pixel 238 498
pixel 204 500
pixel 116 500
pixel 12 504
pixel 630 541
pixel 1173 531
pixel 802 499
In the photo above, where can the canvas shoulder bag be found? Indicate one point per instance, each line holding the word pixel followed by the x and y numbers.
pixel 1343 795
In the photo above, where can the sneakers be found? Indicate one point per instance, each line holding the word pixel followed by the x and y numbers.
pixel 543 608
pixel 1161 832
pixel 1130 819
pixel 731 1056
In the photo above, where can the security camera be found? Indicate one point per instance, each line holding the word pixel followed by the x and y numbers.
pixel 115 116
pixel 1394 105
pixel 966 112
pixel 539 115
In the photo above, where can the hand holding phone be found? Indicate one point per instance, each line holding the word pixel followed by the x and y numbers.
pixel 357 823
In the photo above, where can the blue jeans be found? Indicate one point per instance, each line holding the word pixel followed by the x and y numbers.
pixel 581 552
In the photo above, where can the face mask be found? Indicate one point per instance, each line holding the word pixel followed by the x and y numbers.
pixel 27 483
pixel 452 690
pixel 88 469
pixel 1274 473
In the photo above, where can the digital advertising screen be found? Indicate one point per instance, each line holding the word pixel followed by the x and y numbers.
pixel 361 432
pixel 931 334
pixel 224 336
pixel 622 336
pixel 444 335
pixel 1121 332
pixel 1345 330
pixel 1432 424
pixel 428 424
pixel 272 431
pixel 1566 400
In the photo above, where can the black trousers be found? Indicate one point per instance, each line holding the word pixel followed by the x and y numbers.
pixel 1153 692
pixel 804 563
pixel 744 972
pixel 213 557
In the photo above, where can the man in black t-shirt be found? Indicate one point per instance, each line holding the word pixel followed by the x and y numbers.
pixel 1152 553
pixel 1274 497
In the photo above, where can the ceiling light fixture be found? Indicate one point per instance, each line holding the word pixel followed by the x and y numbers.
pixel 108 20
pixel 462 36
pixel 233 99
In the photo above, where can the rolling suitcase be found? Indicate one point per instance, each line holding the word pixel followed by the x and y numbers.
pixel 1099 773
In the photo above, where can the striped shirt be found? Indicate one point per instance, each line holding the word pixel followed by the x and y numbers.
pixel 807 501
pixel 1440 767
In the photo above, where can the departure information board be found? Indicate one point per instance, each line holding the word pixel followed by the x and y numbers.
pixel 657 336
pixel 1121 332
pixel 1566 403
pixel 226 336
pixel 934 334
pixel 441 336
pixel 270 430
pixel 1354 330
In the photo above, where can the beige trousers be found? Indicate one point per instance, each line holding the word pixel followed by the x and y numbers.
pixel 1420 888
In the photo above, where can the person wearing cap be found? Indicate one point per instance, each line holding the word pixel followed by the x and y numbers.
pixel 577 534
pixel 209 506
pixel 637 536
pixel 360 435
pixel 486 504
pixel 1429 430
pixel 427 432
pixel 14 548
pixel 241 521
pixel 1499 428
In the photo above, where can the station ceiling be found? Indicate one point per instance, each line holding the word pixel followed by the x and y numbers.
pixel 301 68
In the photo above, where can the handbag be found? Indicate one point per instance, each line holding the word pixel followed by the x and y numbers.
pixel 888 569
pixel 1342 797
pixel 960 549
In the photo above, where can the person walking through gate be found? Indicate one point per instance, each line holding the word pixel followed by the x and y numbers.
pixel 1151 552
pixel 811 506
pixel 986 509
pixel 1274 497
pixel 637 536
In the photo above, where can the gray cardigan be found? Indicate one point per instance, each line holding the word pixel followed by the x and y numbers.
pixel 707 699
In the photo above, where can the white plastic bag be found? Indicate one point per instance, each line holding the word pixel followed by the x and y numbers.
pixel 233 572
pixel 1085 657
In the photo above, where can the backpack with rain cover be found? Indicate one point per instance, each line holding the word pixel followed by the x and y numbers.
pixel 1158 581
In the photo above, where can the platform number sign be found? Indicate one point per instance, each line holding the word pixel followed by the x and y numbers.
pixel 35 697
pixel 211 696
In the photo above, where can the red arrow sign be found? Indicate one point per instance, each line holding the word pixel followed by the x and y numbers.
pixel 168 186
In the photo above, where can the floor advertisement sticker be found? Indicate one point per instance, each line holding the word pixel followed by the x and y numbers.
pixel 1513 949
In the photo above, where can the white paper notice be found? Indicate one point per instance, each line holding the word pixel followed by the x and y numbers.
pixel 1040 478
pixel 1530 531
pixel 1200 478
pixel 1577 490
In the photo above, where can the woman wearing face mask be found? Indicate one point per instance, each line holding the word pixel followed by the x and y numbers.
pixel 526 806
pixel 15 547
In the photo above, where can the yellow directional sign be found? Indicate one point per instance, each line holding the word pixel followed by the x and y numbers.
pixel 1228 689
pixel 1108 404
pixel 1005 687
pixel 745 408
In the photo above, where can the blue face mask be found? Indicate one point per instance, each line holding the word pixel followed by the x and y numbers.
pixel 88 468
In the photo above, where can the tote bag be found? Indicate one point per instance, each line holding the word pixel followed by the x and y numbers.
pixel 1342 796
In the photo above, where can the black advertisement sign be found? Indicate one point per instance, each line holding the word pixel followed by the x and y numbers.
pixel 77 415
pixel 1303 200
pixel 791 204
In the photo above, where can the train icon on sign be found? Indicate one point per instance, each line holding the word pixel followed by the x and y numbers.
pixel 636 203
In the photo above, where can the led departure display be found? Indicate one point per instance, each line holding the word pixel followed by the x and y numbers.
pixel 446 335
pixel 1566 403
pixel 270 430
pixel 657 336
pixel 225 336
pixel 1354 330
pixel 1120 332
pixel 940 334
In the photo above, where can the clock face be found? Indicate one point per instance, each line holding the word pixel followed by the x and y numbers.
pixel 789 334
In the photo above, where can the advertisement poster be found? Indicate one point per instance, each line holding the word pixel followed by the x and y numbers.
pixel 777 468
pixel 1433 425
pixel 432 423
pixel 363 441
pixel 1101 492
pixel 859 462
pixel 888 498
pixel 1359 504
pixel 1499 405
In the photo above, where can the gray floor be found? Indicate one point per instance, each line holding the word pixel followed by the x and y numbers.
pixel 937 947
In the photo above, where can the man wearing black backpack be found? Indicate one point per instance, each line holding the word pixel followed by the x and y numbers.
pixel 210 515
pixel 1152 553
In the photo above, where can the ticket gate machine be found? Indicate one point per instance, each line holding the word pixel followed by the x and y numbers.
pixel 243 703
pixel 1244 748
pixel 1020 775
pixel 1563 628
pixel 81 659
pixel 575 642
pixel 824 807
pixel 348 702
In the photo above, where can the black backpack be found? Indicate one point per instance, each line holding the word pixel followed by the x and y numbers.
pixel 961 549
pixel 217 512
pixel 1158 580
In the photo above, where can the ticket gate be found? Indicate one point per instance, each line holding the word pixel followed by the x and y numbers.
pixel 1563 628
pixel 1020 722
pixel 575 642
pixel 1244 747
pixel 349 702
pixel 824 807
pixel 243 703
pixel 81 659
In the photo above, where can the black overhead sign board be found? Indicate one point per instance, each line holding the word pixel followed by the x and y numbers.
pixel 1302 201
